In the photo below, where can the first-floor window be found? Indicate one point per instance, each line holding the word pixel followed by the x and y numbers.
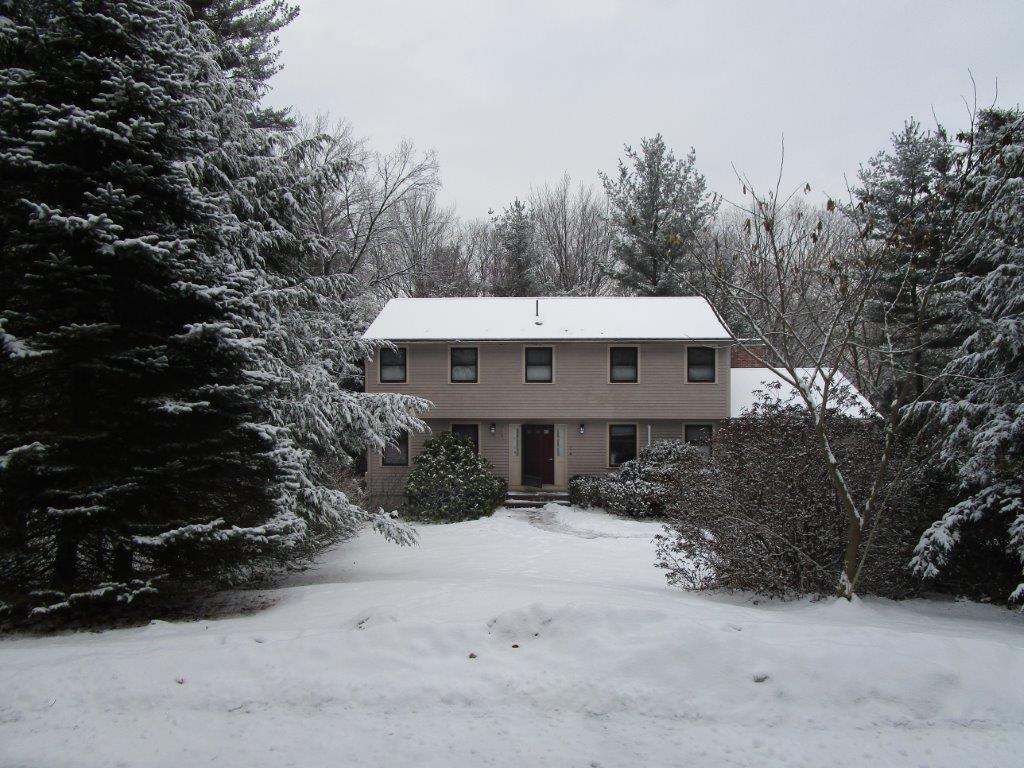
pixel 621 443
pixel 699 435
pixel 464 365
pixel 396 453
pixel 470 431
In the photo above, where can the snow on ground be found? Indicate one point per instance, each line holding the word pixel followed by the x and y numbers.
pixel 366 661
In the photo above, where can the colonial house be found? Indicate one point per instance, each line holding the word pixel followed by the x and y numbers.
pixel 549 388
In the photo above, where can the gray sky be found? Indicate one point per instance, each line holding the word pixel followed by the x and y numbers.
pixel 511 94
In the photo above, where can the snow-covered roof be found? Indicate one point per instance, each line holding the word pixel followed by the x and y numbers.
pixel 745 383
pixel 532 318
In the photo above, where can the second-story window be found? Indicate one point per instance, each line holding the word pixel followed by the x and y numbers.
pixel 622 365
pixel 539 365
pixel 464 365
pixel 700 364
pixel 393 368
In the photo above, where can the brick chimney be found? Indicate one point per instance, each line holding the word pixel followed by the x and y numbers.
pixel 741 358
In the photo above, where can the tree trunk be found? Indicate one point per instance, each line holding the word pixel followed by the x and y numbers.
pixel 848 576
pixel 65 563
pixel 121 564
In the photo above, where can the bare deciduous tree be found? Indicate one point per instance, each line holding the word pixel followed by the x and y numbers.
pixel 803 291
pixel 574 237
pixel 353 210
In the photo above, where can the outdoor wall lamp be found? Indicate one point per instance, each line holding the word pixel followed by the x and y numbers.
pixel 492 429
pixel 582 430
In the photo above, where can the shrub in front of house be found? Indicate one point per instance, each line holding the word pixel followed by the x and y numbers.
pixel 761 515
pixel 449 482
pixel 584 491
pixel 641 487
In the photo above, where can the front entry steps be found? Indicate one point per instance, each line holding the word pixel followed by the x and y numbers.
pixel 535 499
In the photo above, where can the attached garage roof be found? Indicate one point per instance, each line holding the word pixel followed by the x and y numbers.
pixel 550 319
pixel 747 384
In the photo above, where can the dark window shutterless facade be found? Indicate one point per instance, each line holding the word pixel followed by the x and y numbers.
pixel 539 365
pixel 624 365
pixel 396 454
pixel 699 435
pixel 394 368
pixel 700 364
pixel 621 443
pixel 464 366
pixel 470 431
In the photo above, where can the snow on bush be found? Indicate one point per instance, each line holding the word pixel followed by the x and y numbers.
pixel 641 487
pixel 450 482
pixel 761 515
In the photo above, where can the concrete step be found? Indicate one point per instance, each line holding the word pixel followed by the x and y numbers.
pixel 535 499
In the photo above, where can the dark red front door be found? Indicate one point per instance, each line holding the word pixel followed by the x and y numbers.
pixel 538 454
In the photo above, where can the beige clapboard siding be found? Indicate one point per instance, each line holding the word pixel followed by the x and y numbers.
pixel 587 454
pixel 389 482
pixel 386 482
pixel 581 389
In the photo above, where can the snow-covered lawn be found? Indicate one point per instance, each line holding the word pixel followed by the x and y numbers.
pixel 583 657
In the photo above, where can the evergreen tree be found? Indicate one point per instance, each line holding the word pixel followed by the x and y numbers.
pixel 659 205
pixel 516 268
pixel 981 417
pixel 311 325
pixel 150 424
pixel 907 199
pixel 247 44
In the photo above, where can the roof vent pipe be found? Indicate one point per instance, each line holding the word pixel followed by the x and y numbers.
pixel 536 312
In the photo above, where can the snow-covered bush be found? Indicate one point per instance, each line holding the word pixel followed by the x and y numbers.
pixel 584 490
pixel 761 515
pixel 641 487
pixel 450 482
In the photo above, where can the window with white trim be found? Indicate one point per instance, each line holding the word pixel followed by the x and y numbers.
pixel 699 435
pixel 470 431
pixel 621 443
pixel 623 365
pixel 700 364
pixel 396 453
pixel 393 367
pixel 464 368
pixel 539 365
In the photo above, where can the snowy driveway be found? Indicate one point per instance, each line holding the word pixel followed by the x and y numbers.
pixel 522 640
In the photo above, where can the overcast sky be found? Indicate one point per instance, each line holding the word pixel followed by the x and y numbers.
pixel 511 94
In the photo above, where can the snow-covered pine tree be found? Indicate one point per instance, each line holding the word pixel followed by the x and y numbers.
pixel 660 205
pixel 127 405
pixel 516 269
pixel 141 428
pixel 982 416
pixel 907 199
pixel 246 35
pixel 310 322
